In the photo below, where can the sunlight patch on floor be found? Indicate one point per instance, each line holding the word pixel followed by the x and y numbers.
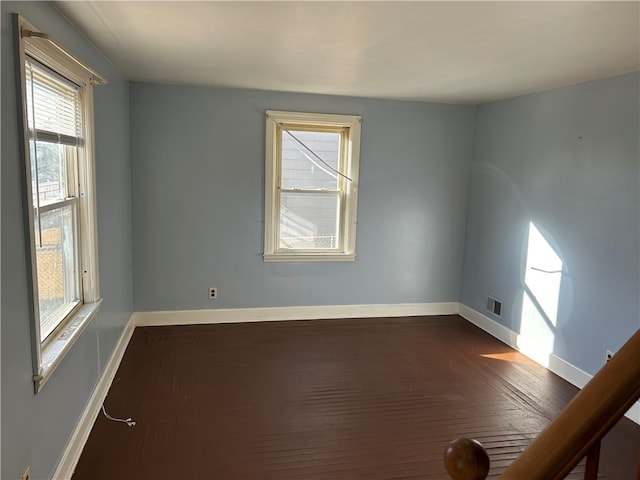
pixel 513 357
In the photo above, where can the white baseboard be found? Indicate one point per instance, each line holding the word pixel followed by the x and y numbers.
pixel 568 371
pixel 557 365
pixel 235 315
pixel 490 326
pixel 634 413
pixel 71 455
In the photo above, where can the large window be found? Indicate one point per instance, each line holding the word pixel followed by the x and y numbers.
pixel 59 194
pixel 54 113
pixel 311 186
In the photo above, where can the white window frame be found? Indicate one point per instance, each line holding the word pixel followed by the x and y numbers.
pixel 47 353
pixel 350 138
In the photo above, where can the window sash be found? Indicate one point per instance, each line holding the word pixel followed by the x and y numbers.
pixel 340 191
pixel 65 176
pixel 58 138
pixel 47 207
pixel 339 224
pixel 287 130
pixel 62 279
pixel 303 190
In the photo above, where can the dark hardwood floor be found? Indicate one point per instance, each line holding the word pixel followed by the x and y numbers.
pixel 374 399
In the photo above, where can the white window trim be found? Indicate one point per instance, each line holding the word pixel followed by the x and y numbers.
pixel 272 216
pixel 47 355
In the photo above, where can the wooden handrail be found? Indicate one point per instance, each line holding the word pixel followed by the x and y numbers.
pixel 584 421
pixel 578 429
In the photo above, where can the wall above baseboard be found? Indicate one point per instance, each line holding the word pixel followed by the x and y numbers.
pixel 80 435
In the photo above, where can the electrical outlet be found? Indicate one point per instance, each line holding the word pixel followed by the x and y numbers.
pixel 213 292
pixel 27 474
pixel 608 356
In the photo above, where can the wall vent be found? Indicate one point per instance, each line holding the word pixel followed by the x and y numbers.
pixel 494 306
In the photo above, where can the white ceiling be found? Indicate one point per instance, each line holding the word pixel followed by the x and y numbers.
pixel 452 52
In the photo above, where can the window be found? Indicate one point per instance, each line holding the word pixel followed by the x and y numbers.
pixel 311 186
pixel 59 194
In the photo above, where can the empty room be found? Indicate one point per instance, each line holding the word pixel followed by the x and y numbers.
pixel 320 240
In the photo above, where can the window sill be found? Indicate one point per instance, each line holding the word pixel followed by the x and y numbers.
pixel 55 349
pixel 309 257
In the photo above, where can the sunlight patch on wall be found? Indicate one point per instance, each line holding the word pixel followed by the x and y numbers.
pixel 540 299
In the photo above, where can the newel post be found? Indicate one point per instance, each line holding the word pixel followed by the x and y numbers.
pixel 466 459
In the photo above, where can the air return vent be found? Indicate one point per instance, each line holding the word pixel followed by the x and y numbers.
pixel 494 306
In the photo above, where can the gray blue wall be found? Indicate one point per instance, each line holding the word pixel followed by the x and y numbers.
pixel 568 161
pixel 198 183
pixel 36 428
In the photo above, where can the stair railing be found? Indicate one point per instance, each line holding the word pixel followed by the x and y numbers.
pixel 575 433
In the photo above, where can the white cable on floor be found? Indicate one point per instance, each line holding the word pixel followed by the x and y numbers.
pixel 128 421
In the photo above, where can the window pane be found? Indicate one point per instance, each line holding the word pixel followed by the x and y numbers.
pixel 309 220
pixel 48 172
pixel 57 266
pixel 301 169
